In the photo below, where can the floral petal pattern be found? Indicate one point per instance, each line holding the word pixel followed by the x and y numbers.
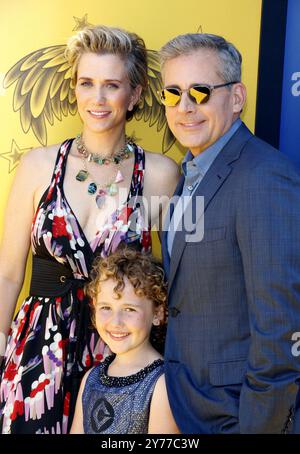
pixel 42 368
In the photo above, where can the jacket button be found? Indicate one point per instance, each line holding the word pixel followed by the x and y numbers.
pixel 173 311
pixel 62 279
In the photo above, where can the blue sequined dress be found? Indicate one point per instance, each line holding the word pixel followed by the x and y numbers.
pixel 119 405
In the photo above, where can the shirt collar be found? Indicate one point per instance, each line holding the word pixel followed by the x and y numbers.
pixel 204 160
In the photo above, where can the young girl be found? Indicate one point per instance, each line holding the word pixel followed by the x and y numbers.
pixel 127 392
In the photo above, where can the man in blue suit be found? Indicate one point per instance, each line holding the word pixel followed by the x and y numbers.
pixel 234 290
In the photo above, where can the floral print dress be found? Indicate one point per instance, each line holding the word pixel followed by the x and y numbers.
pixel 50 346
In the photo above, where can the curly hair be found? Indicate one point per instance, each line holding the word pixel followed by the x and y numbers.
pixel 146 275
pixel 102 40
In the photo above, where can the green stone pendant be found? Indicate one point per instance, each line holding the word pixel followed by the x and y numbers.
pixel 82 175
pixel 97 160
pixel 112 189
pixel 92 188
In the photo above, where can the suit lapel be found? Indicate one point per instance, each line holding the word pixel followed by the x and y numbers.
pixel 165 253
pixel 208 187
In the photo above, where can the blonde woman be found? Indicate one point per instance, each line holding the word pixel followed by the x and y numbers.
pixel 79 199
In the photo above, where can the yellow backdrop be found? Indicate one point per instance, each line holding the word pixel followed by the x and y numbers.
pixel 29 25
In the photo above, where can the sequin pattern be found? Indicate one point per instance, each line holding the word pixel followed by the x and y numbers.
pixel 119 405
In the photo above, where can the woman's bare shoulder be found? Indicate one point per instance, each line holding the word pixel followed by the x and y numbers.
pixel 157 157
pixel 161 174
pixel 39 162
pixel 41 154
pixel 161 163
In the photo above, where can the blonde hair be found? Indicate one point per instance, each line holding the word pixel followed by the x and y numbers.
pixel 109 40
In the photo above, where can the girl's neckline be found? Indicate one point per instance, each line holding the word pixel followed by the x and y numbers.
pixel 119 382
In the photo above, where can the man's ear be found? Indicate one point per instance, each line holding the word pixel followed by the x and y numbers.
pixel 239 97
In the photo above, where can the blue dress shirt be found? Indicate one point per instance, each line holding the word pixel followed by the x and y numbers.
pixel 194 169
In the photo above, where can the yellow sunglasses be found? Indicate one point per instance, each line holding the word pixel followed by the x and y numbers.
pixel 198 93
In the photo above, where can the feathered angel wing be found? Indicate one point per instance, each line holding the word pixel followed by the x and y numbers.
pixel 150 108
pixel 44 90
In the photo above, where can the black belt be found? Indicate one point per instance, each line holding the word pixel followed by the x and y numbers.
pixel 51 278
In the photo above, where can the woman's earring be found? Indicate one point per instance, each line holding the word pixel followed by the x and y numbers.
pixel 156 322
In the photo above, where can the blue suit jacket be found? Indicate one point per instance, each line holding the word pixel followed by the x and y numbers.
pixel 234 297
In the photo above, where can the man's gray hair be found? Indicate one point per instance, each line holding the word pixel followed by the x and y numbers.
pixel 230 57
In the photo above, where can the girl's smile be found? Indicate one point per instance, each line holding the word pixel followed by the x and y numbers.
pixel 124 323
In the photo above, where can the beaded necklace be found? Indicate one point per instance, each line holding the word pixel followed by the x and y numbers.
pixel 119 382
pixel 115 158
pixel 110 188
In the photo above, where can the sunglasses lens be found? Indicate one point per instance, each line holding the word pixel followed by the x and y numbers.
pixel 170 97
pixel 200 93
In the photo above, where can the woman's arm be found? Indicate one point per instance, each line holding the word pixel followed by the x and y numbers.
pixel 161 420
pixel 16 240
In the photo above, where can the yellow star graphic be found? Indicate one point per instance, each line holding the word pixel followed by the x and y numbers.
pixel 81 23
pixel 14 155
